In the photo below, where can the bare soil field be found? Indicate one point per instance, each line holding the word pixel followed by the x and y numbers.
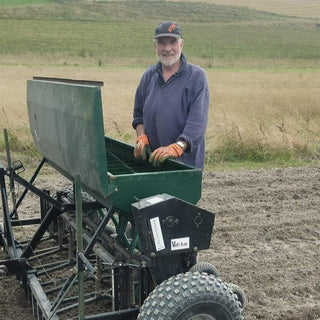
pixel 266 240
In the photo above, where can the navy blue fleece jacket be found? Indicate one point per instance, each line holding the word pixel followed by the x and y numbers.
pixel 174 110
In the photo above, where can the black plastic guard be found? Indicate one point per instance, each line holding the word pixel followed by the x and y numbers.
pixel 169 226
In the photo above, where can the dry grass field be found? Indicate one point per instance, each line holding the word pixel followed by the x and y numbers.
pixel 271 108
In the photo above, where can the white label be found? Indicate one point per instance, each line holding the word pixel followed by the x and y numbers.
pixel 180 243
pixel 157 233
pixel 154 200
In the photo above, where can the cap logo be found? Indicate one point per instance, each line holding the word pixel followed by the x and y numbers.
pixel 171 28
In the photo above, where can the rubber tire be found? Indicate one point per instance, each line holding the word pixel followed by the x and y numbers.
pixel 239 293
pixel 185 296
pixel 205 267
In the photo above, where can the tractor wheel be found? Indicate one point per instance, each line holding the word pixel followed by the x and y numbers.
pixel 239 293
pixel 205 267
pixel 191 296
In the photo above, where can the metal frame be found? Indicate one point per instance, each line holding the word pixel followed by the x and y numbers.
pixel 81 251
pixel 22 254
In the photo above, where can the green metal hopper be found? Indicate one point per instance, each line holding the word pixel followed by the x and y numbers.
pixel 66 122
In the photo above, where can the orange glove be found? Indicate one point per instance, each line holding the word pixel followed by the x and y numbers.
pixel 141 148
pixel 159 155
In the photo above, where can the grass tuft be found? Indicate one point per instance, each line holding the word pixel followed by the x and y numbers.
pixel 19 141
pixel 231 147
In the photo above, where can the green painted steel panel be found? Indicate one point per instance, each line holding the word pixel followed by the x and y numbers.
pixel 134 180
pixel 66 123
pixel 180 184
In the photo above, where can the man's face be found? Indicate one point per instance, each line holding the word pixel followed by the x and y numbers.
pixel 169 50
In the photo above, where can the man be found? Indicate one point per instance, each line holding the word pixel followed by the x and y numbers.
pixel 171 104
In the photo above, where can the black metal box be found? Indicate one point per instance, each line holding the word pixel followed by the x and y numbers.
pixel 167 225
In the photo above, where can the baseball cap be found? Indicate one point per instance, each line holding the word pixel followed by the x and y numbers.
pixel 167 29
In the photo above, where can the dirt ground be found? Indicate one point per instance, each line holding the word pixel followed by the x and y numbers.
pixel 266 239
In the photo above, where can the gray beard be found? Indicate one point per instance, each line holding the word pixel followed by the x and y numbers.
pixel 170 63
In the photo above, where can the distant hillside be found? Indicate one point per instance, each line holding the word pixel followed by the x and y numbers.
pixel 122 29
pixel 10 3
pixel 299 8
pixel 131 11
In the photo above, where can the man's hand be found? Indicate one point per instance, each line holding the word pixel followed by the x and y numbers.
pixel 159 155
pixel 142 147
